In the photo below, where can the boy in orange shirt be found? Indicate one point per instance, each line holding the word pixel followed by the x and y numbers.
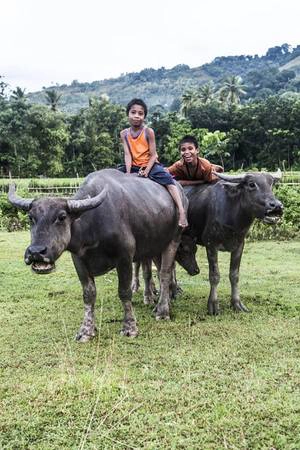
pixel 141 156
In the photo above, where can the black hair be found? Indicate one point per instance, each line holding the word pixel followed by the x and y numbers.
pixel 137 101
pixel 188 138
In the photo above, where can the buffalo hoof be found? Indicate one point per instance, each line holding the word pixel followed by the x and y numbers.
pixel 213 309
pixel 84 337
pixel 162 317
pixel 129 330
pixel 162 313
pixel 239 307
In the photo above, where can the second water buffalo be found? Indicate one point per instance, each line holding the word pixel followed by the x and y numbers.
pixel 220 216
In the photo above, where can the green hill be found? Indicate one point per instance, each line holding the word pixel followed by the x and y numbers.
pixel 294 65
pixel 275 72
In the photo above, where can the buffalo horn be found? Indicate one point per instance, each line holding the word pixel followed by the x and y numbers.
pixel 87 203
pixel 238 178
pixel 18 202
pixel 231 178
pixel 277 175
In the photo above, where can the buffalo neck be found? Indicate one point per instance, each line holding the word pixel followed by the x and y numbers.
pixel 230 210
pixel 85 231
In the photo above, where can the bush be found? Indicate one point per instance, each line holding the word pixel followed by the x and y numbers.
pixel 11 218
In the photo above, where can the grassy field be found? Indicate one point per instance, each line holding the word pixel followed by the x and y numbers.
pixel 196 382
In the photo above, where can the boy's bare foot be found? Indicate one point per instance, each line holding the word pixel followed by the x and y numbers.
pixel 183 223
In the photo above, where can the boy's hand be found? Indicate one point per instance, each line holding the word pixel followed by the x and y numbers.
pixel 143 172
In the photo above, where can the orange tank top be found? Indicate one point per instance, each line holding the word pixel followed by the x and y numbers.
pixel 139 148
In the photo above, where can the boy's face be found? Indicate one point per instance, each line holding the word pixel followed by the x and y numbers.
pixel 189 152
pixel 136 116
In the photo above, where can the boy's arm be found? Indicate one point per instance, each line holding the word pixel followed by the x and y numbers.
pixel 208 175
pixel 190 182
pixel 152 151
pixel 207 170
pixel 177 171
pixel 127 154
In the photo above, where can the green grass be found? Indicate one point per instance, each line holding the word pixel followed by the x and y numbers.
pixel 196 382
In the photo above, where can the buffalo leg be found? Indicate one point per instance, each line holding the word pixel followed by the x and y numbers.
pixel 235 261
pixel 135 285
pixel 88 328
pixel 124 269
pixel 175 289
pixel 167 261
pixel 149 290
pixel 214 278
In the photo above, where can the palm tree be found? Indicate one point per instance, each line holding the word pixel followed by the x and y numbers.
pixel 232 90
pixel 52 97
pixel 206 93
pixel 18 94
pixel 188 99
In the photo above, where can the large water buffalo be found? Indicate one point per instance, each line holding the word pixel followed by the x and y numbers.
pixel 220 216
pixel 113 220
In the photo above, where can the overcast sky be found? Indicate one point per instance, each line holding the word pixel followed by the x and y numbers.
pixel 47 42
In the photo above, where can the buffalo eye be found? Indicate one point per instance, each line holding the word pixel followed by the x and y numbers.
pixel 61 217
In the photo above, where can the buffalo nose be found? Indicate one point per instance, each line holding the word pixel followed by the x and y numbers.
pixel 275 204
pixel 195 271
pixel 36 250
pixel 34 253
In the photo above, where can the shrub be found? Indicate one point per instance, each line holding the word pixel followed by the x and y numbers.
pixel 11 218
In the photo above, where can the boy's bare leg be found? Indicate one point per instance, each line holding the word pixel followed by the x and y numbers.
pixel 177 199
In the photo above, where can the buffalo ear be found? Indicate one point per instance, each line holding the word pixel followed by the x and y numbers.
pixel 232 189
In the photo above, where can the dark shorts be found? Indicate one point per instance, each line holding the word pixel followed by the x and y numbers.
pixel 157 174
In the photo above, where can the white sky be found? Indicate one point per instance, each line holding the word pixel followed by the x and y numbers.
pixel 47 42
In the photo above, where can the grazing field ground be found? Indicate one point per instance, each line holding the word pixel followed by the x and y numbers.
pixel 195 382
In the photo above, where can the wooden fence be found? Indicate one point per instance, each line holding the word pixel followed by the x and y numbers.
pixel 49 187
pixel 291 178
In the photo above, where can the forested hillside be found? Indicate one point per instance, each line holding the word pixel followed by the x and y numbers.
pixel 248 117
pixel 275 72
